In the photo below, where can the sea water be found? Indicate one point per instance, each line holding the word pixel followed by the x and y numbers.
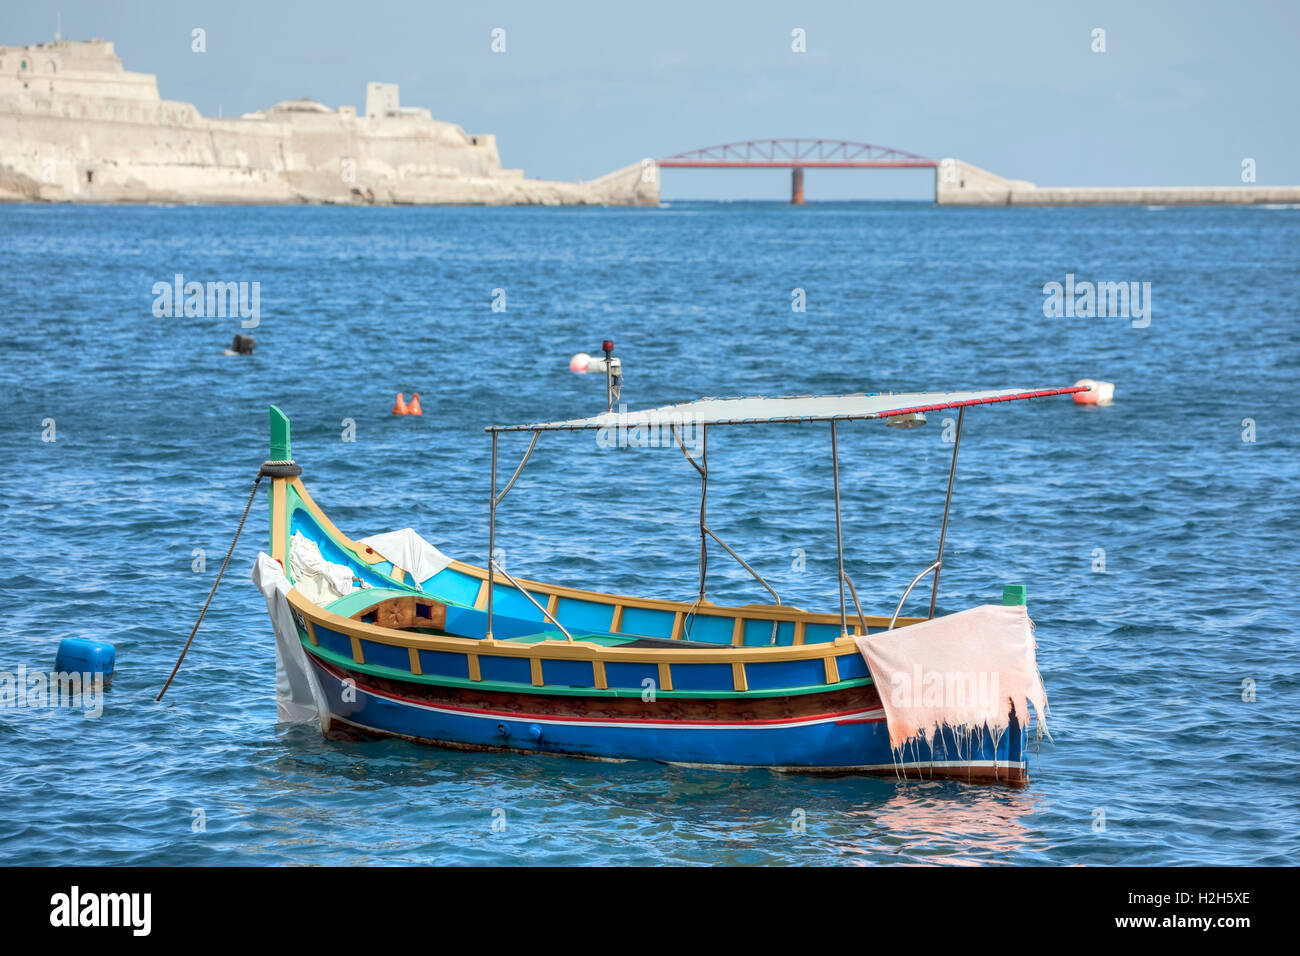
pixel 1156 536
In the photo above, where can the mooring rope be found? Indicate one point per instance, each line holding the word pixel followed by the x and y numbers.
pixel 184 650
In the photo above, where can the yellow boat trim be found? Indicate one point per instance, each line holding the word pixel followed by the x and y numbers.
pixel 279 528
pixel 665 677
pixel 363 552
pixel 738 677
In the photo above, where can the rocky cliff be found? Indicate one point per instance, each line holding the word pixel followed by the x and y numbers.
pixel 76 127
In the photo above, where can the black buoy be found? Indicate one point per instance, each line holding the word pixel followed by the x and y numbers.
pixel 242 345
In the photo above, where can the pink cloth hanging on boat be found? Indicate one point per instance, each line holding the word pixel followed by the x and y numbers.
pixel 964 671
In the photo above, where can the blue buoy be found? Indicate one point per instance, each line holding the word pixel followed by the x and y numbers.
pixel 82 656
pixel 536 732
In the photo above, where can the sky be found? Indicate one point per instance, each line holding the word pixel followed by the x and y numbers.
pixel 1182 94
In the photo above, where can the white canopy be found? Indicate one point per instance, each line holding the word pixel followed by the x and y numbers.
pixel 800 408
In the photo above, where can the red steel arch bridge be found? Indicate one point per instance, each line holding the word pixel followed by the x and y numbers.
pixel 797 155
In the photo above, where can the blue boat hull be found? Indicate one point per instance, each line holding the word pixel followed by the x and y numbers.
pixel 852 739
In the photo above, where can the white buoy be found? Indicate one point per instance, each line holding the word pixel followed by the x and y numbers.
pixel 582 362
pixel 1099 393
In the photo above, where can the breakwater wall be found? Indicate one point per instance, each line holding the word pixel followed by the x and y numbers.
pixel 958 183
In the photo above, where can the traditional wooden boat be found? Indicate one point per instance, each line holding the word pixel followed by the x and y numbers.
pixel 469 657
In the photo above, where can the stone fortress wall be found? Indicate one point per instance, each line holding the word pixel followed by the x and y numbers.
pixel 76 127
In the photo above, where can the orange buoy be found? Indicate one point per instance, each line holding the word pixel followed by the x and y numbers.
pixel 414 408
pixel 399 407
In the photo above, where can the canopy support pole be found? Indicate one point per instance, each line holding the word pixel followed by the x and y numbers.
pixel 492 536
pixel 839 532
pixel 703 469
pixel 702 466
pixel 947 504
pixel 523 461
pixel 862 618
pixel 744 564
pixel 492 522
pixel 533 601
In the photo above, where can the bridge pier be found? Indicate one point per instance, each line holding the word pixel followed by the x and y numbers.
pixel 796 186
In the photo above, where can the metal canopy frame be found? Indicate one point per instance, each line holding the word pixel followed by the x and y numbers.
pixel 702 468
pixel 862 406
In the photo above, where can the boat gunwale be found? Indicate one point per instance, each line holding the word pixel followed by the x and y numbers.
pixel 566 650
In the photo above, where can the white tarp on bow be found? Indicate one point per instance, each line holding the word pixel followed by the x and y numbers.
pixel 409 551
pixel 298 695
pixel 297 692
pixel 318 580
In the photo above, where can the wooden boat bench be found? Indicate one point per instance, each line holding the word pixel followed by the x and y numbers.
pixel 402 611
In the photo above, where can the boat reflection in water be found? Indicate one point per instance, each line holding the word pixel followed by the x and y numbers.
pixel 967 825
